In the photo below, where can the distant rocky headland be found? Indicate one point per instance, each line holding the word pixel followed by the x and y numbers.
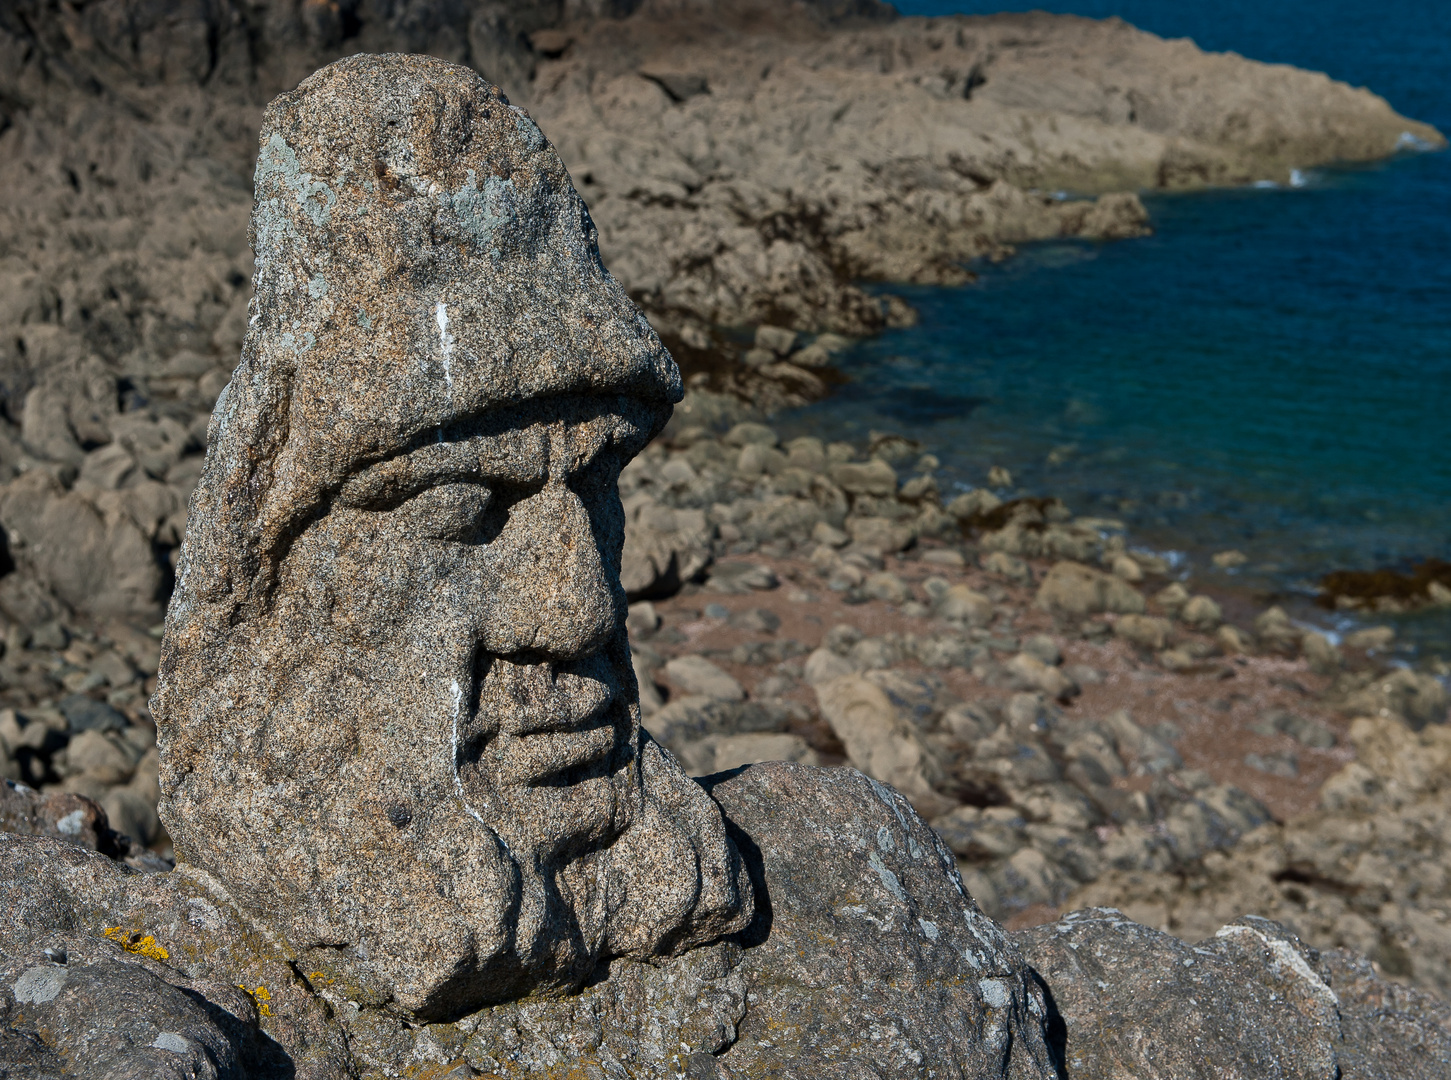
pixel 744 163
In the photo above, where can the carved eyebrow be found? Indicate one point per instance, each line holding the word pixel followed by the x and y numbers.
pixel 514 457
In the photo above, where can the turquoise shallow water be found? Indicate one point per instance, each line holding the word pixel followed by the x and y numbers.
pixel 1270 371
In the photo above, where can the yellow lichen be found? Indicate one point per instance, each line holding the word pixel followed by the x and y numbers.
pixel 133 941
pixel 260 998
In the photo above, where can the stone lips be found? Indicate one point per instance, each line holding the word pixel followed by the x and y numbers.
pixel 397 716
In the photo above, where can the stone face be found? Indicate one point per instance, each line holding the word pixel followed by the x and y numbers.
pixel 396 711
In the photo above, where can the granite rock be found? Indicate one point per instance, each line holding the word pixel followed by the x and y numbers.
pixel 867 957
pixel 396 711
pixel 100 964
pixel 1252 1001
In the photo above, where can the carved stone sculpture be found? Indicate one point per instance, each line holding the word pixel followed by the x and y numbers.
pixel 397 716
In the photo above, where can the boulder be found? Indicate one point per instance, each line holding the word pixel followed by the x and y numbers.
pixel 664 547
pixel 1071 588
pixel 697 675
pixel 867 917
pixel 880 742
pixel 96 558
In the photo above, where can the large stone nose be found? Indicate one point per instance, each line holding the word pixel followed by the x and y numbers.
pixel 555 597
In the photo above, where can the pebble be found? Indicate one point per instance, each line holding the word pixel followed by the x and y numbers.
pixel 697 675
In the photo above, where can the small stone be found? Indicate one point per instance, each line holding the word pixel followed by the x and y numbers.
pixel 740 578
pixel 748 432
pixel 778 340
pixel 1044 647
pixel 999 477
pixel 812 356
pixel 966 605
pixel 1126 567
pixel 643 620
pixel 1032 673
pixel 1172 597
pixel 887 587
pixel 1322 656
pixel 1201 613
pixel 1009 567
pixel 1146 631
pixel 1277 764
pixel 697 675
pixel 880 534
pixel 756 621
pixel 733 751
pixel 1371 639
pixel 1229 560
pixel 1233 641
pixel 829 535
pixel 85 713
pixel 875 478
pixel 1176 659
pixel 948 557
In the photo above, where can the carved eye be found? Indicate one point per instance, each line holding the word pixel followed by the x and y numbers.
pixel 459 512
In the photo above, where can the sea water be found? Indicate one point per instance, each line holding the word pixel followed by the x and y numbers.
pixel 1269 372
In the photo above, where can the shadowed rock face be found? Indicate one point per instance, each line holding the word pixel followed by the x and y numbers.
pixel 397 714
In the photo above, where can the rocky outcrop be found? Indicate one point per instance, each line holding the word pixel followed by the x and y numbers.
pixel 1360 873
pixel 1264 1004
pixel 805 158
pixel 743 165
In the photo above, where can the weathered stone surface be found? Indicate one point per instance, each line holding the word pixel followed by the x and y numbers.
pixel 131 957
pixel 1251 1002
pixel 397 715
pixel 113 1018
pixel 867 957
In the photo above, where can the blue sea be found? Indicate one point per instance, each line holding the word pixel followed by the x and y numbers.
pixel 1270 371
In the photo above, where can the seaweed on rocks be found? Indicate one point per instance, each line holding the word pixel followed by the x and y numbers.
pixel 1427 584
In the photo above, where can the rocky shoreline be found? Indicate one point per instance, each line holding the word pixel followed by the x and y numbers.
pixel 743 166
pixel 1102 731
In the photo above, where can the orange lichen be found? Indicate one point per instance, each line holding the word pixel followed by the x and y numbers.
pixel 133 941
pixel 260 998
